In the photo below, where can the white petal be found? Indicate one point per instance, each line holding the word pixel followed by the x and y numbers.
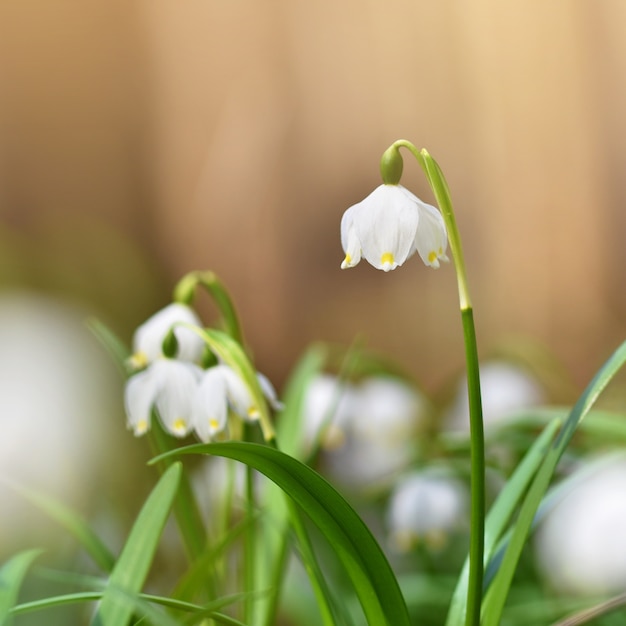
pixel 350 240
pixel 210 406
pixel 239 396
pixel 148 339
pixel 177 385
pixel 386 223
pixel 389 412
pixel 139 397
pixel 328 404
pixel 269 392
pixel 431 239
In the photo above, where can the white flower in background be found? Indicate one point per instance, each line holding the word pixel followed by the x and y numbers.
pixel 388 410
pixel 506 389
pixel 389 226
pixel 426 507
pixel 581 544
pixel 328 404
pixel 376 423
pixel 220 389
pixel 58 389
pixel 148 338
pixel 169 386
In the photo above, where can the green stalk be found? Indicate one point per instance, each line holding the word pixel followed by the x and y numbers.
pixel 439 186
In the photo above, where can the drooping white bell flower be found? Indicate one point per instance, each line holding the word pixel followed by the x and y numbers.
pixel 389 226
pixel 581 543
pixel 149 337
pixel 169 386
pixel 221 389
pixel 426 507
pixel 385 416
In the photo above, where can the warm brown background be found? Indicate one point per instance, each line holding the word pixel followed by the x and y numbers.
pixel 140 140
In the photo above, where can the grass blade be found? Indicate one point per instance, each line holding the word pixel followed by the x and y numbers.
pixel 73 523
pixel 11 576
pixel 132 567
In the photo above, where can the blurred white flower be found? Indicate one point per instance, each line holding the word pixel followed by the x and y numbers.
pixel 328 405
pixel 581 544
pixel 148 338
pixel 169 386
pixel 426 507
pixel 58 389
pixel 372 428
pixel 388 226
pixel 506 389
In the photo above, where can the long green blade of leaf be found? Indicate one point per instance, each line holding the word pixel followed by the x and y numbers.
pixel 356 548
pixel 500 514
pixel 498 591
pixel 132 567
pixel 73 523
pixel 11 576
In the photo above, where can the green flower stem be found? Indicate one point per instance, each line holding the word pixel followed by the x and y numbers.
pixel 185 292
pixel 440 189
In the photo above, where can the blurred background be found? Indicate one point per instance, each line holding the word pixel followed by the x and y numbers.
pixel 142 140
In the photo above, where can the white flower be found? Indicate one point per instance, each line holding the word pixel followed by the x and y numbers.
pixel 506 389
pixel 580 546
pixel 148 338
pixel 389 226
pixel 327 407
pixel 221 389
pixel 169 386
pixel 371 429
pixel 426 507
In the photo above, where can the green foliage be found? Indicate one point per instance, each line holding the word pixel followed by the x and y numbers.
pixel 132 566
pixel 11 576
pixel 356 548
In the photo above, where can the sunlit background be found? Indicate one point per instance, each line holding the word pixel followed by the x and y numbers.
pixel 142 140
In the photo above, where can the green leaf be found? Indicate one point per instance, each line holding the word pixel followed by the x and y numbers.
pixel 132 567
pixel 11 576
pixel 73 523
pixel 500 514
pixel 496 595
pixel 113 344
pixel 354 544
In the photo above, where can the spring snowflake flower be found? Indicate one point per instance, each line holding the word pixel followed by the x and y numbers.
pixel 426 507
pixel 580 545
pixel 169 386
pixel 389 226
pixel 220 390
pixel 149 337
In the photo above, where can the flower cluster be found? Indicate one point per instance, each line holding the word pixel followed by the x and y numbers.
pixel 186 397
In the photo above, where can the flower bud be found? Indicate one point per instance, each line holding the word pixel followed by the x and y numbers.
pixel 391 166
